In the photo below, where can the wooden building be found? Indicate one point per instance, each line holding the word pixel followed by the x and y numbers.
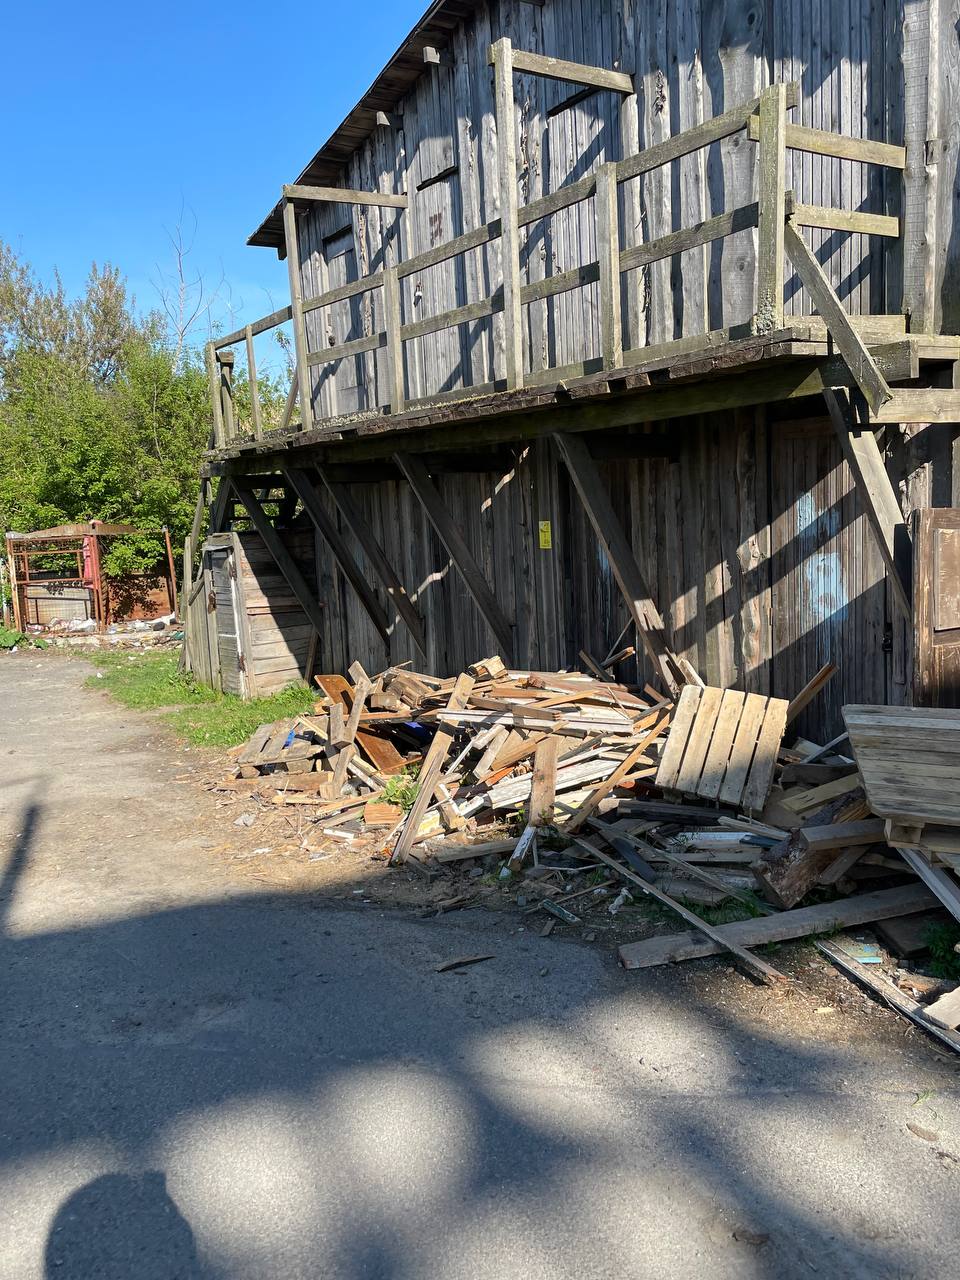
pixel 621 323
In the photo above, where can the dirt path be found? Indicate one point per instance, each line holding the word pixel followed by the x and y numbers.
pixel 209 1076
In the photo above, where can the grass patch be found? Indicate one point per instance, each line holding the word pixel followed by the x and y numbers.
pixel 150 681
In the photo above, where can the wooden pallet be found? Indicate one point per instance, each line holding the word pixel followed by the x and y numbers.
pixel 723 746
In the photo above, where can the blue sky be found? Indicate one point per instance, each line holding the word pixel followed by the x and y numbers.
pixel 123 116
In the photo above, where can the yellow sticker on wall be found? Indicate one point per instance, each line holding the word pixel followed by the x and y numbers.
pixel 546 536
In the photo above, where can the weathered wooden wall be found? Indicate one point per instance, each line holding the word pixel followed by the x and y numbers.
pixel 692 59
pixel 749 533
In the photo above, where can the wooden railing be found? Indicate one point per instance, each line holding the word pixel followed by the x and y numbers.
pixel 775 213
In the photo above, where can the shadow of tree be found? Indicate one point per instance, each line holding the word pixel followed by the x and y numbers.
pixel 255 1087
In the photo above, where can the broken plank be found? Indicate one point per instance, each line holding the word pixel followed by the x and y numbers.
pixel 543 790
pixel 711 935
pixel 430 771
pixel 801 922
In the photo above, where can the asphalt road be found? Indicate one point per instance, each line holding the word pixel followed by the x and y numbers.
pixel 199 1080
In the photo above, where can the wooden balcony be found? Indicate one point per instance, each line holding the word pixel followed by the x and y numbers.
pixel 892 375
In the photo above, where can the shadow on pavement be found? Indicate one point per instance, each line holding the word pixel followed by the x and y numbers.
pixel 304 1092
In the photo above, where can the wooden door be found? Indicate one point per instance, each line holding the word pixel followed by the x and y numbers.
pixel 223 571
pixel 936 607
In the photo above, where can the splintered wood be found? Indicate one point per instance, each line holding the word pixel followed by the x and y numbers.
pixel 723 746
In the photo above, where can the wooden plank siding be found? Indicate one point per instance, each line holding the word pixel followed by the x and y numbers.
pixel 750 537
pixel 691 60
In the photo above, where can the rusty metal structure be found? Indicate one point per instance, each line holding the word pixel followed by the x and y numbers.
pixel 57 573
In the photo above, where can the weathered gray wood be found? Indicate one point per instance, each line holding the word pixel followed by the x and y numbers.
pixel 392 323
pixel 772 194
pixel 502 57
pixel 225 362
pixel 713 130
pixel 255 416
pixel 849 343
pixel 825 143
pixel 620 553
pixel 292 395
pixel 377 559
pixel 449 534
pixel 258 326
pixel 716 937
pixel 724 224
pixel 303 487
pixel 573 72
pixel 284 560
pixel 341 195
pixel 344 291
pixel 877 496
pixel 865 224
pixel 296 304
pixel 356 347
pixel 216 404
pixel 608 254
pixel 430 771
pixel 801 922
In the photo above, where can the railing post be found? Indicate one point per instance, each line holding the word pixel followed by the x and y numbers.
pixel 501 55
pixel 255 418
pixel 216 404
pixel 392 321
pixel 608 253
pixel 296 307
pixel 772 214
pixel 225 361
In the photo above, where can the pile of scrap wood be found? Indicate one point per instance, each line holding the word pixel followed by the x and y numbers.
pixel 693 803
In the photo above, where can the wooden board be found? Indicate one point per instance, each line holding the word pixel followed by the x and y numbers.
pixel 788 924
pixel 723 745
pixel 908 757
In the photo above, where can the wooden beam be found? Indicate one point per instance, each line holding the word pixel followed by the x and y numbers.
pixel 300 482
pixel 877 496
pixel 389 119
pixel 218 511
pixel 864 224
pixel 701 135
pixel 254 388
pixel 225 363
pixel 393 321
pixel 291 400
pixel 862 908
pixel 343 195
pixel 771 197
pixel 573 72
pixel 284 560
pixel 824 143
pixel 849 343
pixel 448 531
pixel 724 224
pixel 630 579
pixel 296 304
pixel 377 559
pixel 608 254
pixel 501 54
pixel 757 966
pixel 258 326
pixel 430 771
pixel 216 403
pixel 434 57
